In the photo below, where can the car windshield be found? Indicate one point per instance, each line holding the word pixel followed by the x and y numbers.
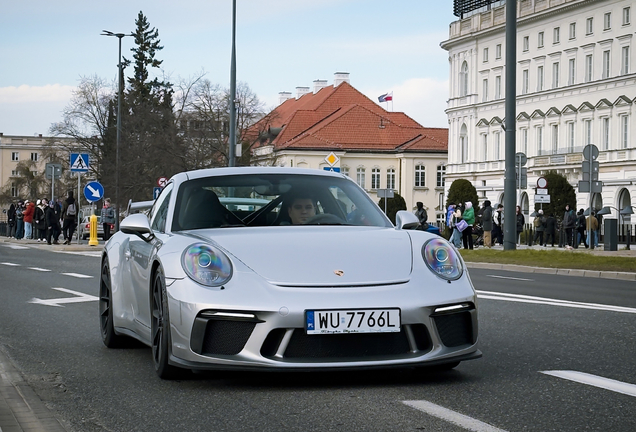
pixel 273 200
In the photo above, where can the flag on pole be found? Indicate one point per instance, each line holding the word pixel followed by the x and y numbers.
pixel 386 97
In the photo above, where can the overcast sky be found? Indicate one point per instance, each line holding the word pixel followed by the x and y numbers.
pixel 47 46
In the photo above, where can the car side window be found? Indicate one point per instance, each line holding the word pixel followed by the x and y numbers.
pixel 160 210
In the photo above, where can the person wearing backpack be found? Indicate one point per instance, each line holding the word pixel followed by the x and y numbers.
pixel 69 216
pixel 539 227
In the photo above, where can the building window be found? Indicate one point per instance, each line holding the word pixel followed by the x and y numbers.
pixel 15 156
pixel 540 40
pixel 625 60
pixel 588 68
pixel 484 149
pixel 497 145
pixel 345 171
pixel 34 157
pixel 589 26
pixel 539 140
pixel 571 71
pixel 607 21
pixel 526 43
pixel 539 78
pixel 587 124
pixel 555 75
pixel 605 131
pixel 524 81
pixel 14 190
pixel 485 59
pixel 572 30
pixel 463 80
pixel 606 64
pixel 498 51
pixel 624 131
pixel 626 17
pixel 390 178
pixel 360 174
pixel 555 138
pixel 463 144
pixel 420 176
pixel 524 140
pixel 556 35
pixel 441 175
pixel 571 137
pixel 498 87
pixel 375 178
pixel 484 95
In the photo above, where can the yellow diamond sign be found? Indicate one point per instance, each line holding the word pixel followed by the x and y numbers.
pixel 332 159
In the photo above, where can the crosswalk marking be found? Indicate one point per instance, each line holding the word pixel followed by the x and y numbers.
pixel 10 264
pixel 595 380
pixel 451 416
pixel 77 275
pixel 39 269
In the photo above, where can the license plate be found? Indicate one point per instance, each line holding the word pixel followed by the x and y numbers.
pixel 352 321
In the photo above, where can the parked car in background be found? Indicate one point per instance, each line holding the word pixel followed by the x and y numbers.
pixel 84 228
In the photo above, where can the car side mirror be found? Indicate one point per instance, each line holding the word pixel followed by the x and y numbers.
pixel 137 224
pixel 406 220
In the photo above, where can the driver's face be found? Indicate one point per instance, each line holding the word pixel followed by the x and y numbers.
pixel 301 210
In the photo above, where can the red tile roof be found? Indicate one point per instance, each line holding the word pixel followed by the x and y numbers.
pixel 342 118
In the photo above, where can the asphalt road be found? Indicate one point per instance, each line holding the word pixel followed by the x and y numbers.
pixel 531 325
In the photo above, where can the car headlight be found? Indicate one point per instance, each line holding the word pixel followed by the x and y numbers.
pixel 206 265
pixel 442 259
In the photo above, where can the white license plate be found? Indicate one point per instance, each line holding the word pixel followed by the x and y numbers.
pixel 352 321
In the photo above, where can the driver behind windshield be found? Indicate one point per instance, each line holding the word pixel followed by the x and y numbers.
pixel 301 208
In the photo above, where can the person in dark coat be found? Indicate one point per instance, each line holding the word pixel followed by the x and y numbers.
pixel 52 220
pixel 521 220
pixel 580 229
pixel 69 216
pixel 550 229
pixel 486 223
pixel 539 227
pixel 569 223
pixel 11 221
pixel 39 224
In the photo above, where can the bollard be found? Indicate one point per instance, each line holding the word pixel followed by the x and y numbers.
pixel 93 237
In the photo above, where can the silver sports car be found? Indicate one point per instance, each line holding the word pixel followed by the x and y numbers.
pixel 283 269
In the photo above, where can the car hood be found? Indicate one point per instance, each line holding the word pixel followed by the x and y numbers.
pixel 320 256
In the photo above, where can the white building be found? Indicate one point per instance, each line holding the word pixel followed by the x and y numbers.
pixel 576 85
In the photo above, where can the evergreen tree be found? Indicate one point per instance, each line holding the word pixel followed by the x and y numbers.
pixel 393 205
pixel 461 191
pixel 561 193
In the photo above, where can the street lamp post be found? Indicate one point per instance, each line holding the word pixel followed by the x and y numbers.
pixel 119 36
pixel 232 137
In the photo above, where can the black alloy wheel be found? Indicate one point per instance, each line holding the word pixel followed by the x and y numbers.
pixel 160 328
pixel 109 337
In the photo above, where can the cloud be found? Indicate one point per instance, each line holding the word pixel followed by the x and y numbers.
pixel 422 99
pixel 34 94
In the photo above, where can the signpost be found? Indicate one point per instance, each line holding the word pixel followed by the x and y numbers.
pixel 52 171
pixel 79 165
pixel 590 181
pixel 93 191
pixel 386 194
pixel 162 181
pixel 155 192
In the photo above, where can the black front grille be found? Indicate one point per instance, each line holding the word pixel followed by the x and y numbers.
pixel 455 329
pixel 226 337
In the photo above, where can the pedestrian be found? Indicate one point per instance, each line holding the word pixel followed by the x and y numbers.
pixel 539 227
pixel 19 220
pixel 38 221
pixel 57 227
pixel 569 224
pixel 452 213
pixel 421 214
pixel 11 222
pixel 52 220
pixel 498 224
pixel 469 216
pixel 550 229
pixel 69 215
pixel 521 220
pixel 580 229
pixel 29 210
pixel 592 229
pixel 108 218
pixel 487 223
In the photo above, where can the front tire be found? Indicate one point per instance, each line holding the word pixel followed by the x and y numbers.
pixel 160 328
pixel 109 337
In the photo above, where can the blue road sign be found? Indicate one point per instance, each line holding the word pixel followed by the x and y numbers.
pixel 93 191
pixel 79 162
pixel 155 192
pixel 334 169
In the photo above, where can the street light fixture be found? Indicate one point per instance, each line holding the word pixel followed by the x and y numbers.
pixel 119 36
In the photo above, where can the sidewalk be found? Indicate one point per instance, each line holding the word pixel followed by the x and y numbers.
pixel 73 247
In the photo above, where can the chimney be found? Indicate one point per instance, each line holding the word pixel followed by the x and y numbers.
pixel 283 96
pixel 340 77
pixel 319 85
pixel 301 91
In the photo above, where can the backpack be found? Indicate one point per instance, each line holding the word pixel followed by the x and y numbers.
pixel 537 222
pixel 71 210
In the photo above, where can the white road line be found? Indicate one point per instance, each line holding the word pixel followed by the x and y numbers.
pixel 492 295
pixel 461 420
pixel 80 297
pixel 16 247
pixel 77 275
pixel 508 277
pixel 595 380
pixel 10 264
pixel 39 269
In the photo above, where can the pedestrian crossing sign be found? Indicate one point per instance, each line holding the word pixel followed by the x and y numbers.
pixel 79 162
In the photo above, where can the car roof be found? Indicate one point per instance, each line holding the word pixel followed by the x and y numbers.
pixel 251 170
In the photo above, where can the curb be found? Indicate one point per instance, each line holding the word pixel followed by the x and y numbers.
pixel 555 271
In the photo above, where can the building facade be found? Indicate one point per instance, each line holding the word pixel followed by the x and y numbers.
pixel 576 85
